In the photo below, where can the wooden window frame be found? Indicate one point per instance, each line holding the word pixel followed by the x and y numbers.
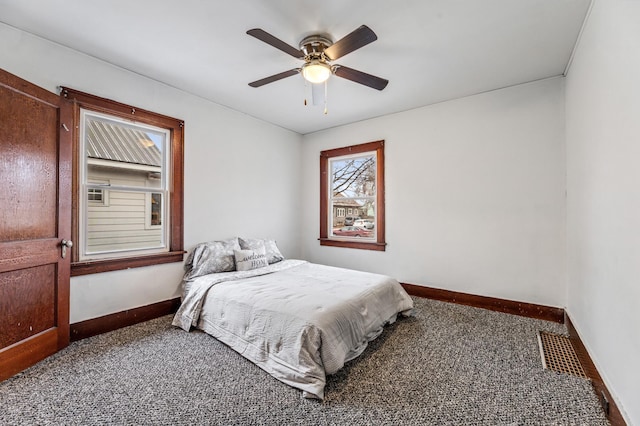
pixel 79 100
pixel 325 240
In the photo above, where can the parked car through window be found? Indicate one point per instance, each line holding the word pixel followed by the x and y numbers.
pixel 364 223
pixel 352 231
pixel 350 220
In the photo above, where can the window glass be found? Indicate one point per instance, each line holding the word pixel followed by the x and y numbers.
pixel 156 209
pixel 353 188
pixel 96 195
pixel 132 158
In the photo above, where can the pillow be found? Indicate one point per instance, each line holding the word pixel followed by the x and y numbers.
pixel 269 246
pixel 210 257
pixel 247 260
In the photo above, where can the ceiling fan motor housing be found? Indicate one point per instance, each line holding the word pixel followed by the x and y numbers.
pixel 314 46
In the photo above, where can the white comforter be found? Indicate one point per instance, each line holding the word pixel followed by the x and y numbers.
pixel 296 320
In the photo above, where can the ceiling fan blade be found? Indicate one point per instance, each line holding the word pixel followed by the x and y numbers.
pixel 361 77
pixel 355 40
pixel 274 77
pixel 264 36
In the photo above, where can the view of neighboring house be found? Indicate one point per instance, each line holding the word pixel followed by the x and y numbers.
pixel 345 207
pixel 122 163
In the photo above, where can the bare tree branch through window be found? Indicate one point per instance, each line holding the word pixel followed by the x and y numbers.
pixel 354 177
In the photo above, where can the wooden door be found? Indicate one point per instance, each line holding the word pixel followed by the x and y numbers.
pixel 35 218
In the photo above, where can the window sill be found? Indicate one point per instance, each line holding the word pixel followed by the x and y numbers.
pixel 353 244
pixel 97 266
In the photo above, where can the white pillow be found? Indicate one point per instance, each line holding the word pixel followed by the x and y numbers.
pixel 269 246
pixel 247 260
pixel 211 257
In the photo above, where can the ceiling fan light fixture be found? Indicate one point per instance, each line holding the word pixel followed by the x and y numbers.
pixel 316 71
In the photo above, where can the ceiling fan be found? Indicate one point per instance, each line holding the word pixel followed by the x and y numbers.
pixel 318 52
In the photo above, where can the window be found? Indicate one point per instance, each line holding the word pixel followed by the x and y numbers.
pixel 155 204
pixel 136 158
pixel 95 195
pixel 352 181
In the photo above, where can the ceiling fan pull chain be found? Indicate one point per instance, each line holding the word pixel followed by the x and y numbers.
pixel 325 97
pixel 306 91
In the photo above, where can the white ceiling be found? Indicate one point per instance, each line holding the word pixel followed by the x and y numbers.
pixel 429 50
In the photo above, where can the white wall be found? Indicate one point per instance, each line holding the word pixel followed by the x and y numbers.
pixel 238 170
pixel 603 207
pixel 474 194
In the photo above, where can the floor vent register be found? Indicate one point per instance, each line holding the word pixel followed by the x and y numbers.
pixel 558 355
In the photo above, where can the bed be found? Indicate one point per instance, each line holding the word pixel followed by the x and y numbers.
pixel 296 320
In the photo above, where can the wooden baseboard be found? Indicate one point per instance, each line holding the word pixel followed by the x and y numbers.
pixel 530 310
pixel 95 326
pixel 608 404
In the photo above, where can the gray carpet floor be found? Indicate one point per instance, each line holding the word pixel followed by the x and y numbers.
pixel 448 365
